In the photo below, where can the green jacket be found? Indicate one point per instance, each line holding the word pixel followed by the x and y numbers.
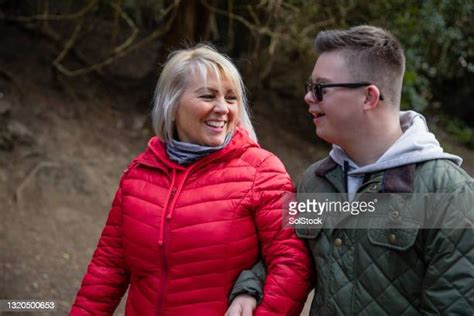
pixel 393 272
pixel 390 271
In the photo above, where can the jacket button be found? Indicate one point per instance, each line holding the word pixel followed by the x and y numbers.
pixel 395 215
pixel 392 239
pixel 338 242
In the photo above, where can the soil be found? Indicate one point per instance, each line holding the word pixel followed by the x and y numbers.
pixel 63 145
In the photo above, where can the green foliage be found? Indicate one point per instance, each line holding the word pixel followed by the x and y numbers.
pixel 459 130
pixel 463 133
pixel 437 41
pixel 436 34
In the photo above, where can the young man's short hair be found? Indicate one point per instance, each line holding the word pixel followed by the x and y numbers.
pixel 372 54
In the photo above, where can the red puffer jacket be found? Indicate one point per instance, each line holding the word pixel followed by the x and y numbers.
pixel 180 236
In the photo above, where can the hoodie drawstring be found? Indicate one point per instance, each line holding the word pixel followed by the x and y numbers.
pixel 346 176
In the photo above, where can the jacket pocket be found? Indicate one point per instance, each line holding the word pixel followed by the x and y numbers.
pixel 394 231
pixel 396 224
pixel 397 239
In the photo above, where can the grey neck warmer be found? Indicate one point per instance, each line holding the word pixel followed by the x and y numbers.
pixel 186 153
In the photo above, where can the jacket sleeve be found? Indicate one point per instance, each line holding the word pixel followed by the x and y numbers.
pixel 448 284
pixel 107 278
pixel 285 256
pixel 250 282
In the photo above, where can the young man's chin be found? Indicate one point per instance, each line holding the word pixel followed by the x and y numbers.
pixel 321 135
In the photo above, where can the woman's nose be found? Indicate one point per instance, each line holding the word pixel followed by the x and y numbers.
pixel 221 106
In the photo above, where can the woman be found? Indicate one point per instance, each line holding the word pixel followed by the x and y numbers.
pixel 201 204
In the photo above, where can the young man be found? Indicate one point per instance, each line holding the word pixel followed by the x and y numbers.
pixel 354 97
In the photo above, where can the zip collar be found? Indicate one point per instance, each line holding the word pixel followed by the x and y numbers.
pixel 155 155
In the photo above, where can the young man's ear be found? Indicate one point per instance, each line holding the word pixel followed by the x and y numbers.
pixel 372 97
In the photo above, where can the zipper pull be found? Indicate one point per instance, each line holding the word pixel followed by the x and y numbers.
pixel 173 192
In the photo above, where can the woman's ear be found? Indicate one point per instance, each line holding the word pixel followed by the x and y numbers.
pixel 372 97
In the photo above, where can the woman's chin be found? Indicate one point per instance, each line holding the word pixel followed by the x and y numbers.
pixel 214 141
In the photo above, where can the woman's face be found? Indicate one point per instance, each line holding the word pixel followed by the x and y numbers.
pixel 206 113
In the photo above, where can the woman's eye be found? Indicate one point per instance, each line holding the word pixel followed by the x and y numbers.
pixel 231 98
pixel 207 96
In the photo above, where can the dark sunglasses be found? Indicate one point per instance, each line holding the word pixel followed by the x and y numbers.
pixel 317 88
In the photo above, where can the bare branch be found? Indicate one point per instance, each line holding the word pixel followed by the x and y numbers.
pixel 230 29
pixel 130 23
pixel 314 26
pixel 116 28
pixel 52 17
pixel 245 22
pixel 69 44
pixel 125 49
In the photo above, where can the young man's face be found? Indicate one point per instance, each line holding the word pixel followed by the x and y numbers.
pixel 339 115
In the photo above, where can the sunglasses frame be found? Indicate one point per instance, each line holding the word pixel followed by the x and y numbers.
pixel 317 88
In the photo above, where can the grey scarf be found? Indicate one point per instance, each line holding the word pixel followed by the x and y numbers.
pixel 185 153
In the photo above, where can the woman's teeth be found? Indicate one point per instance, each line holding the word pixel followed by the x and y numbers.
pixel 216 124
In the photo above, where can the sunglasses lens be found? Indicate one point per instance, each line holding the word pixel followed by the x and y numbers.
pixel 315 89
pixel 318 92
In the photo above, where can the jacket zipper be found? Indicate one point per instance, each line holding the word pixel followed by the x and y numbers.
pixel 164 260
pixel 164 280
pixel 163 245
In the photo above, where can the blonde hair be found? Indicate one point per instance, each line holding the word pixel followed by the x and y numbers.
pixel 183 65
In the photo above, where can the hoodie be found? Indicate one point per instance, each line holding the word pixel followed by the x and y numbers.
pixel 415 145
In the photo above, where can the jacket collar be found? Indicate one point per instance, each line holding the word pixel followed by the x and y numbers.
pixel 399 179
pixel 396 180
pixel 156 155
pixel 325 166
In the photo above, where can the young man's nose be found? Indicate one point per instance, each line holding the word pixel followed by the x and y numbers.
pixel 309 98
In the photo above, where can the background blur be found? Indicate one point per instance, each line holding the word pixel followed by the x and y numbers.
pixel 76 84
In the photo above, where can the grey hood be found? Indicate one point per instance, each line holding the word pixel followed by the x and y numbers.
pixel 415 145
